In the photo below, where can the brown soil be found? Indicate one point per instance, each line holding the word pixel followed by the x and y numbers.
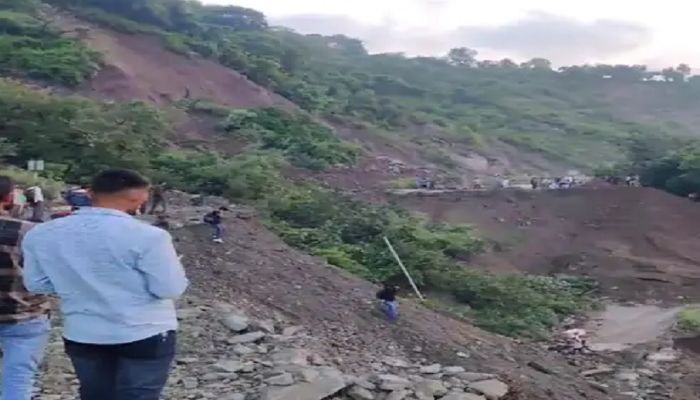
pixel 638 243
pixel 338 308
pixel 139 67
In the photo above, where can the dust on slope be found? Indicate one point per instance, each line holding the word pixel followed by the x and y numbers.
pixel 338 308
pixel 638 242
pixel 137 66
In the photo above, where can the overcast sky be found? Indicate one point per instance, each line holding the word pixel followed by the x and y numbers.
pixel 574 31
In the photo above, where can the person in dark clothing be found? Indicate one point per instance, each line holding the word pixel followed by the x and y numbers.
pixel 387 301
pixel 535 183
pixel 214 220
pixel 158 199
pixel 77 198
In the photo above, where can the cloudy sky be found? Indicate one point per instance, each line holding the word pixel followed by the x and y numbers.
pixel 575 31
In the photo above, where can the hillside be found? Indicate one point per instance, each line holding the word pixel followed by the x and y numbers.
pixel 638 243
pixel 311 131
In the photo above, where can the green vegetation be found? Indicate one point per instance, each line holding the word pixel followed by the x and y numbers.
pixel 563 113
pixel 52 188
pixel 304 143
pixel 689 321
pixel 30 48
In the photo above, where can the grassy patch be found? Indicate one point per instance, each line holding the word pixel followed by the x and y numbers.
pixel 689 321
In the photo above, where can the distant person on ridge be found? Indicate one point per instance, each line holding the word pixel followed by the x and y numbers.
pixel 117 279
pixel 215 221
pixel 24 321
pixel 387 301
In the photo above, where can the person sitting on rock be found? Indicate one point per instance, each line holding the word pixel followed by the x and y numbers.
pixel 387 301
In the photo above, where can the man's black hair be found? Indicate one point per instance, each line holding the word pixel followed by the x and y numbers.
pixel 6 186
pixel 116 180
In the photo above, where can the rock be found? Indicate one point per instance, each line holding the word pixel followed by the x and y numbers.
pixel 453 370
pixel 321 388
pixel 235 396
pixel 463 396
pixel 365 383
pixel 284 379
pixel 309 375
pixel 236 323
pixel 398 395
pixel 242 350
pixel 190 383
pixel 431 369
pixel 291 330
pixel 598 371
pixel 265 325
pixel 461 354
pixel 541 368
pixel 187 360
pixel 291 357
pixel 429 389
pixel 229 366
pixel 390 382
pixel 359 393
pixel 663 355
pixel 246 338
pixel 317 360
pixel 493 389
pixel 395 362
pixel 470 377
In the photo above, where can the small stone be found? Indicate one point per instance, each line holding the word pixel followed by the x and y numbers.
pixel 461 354
pixel 246 338
pixel 242 350
pixel 284 379
pixel 390 382
pixel 398 395
pixel 431 369
pixel 309 375
pixel 395 362
pixel 322 388
pixel 291 357
pixel 463 396
pixel 236 323
pixel 359 393
pixel 235 396
pixel 598 371
pixel 317 360
pixel 265 325
pixel 229 366
pixel 428 389
pixel 291 330
pixel 453 370
pixel 493 389
pixel 470 377
pixel 190 383
pixel 187 360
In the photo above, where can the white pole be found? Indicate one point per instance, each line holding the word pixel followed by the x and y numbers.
pixel 403 267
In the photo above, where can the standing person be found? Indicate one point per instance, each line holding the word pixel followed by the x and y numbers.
pixel 35 198
pixel 534 182
pixel 387 299
pixel 117 279
pixel 157 198
pixel 24 322
pixel 214 220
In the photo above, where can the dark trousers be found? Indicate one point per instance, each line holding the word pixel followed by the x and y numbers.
pixel 218 231
pixel 158 201
pixel 131 371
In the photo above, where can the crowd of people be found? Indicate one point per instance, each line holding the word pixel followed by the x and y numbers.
pixel 116 279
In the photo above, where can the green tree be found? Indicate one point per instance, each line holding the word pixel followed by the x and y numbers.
pixel 462 56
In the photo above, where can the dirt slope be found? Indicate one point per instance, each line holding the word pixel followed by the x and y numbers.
pixel 639 242
pixel 254 266
pixel 139 67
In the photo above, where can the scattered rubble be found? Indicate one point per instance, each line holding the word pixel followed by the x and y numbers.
pixel 229 356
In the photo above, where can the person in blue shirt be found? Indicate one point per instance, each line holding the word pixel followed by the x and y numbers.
pixel 117 279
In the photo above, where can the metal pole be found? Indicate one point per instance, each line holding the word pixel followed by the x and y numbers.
pixel 403 268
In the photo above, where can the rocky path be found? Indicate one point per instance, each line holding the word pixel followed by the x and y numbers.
pixel 225 355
